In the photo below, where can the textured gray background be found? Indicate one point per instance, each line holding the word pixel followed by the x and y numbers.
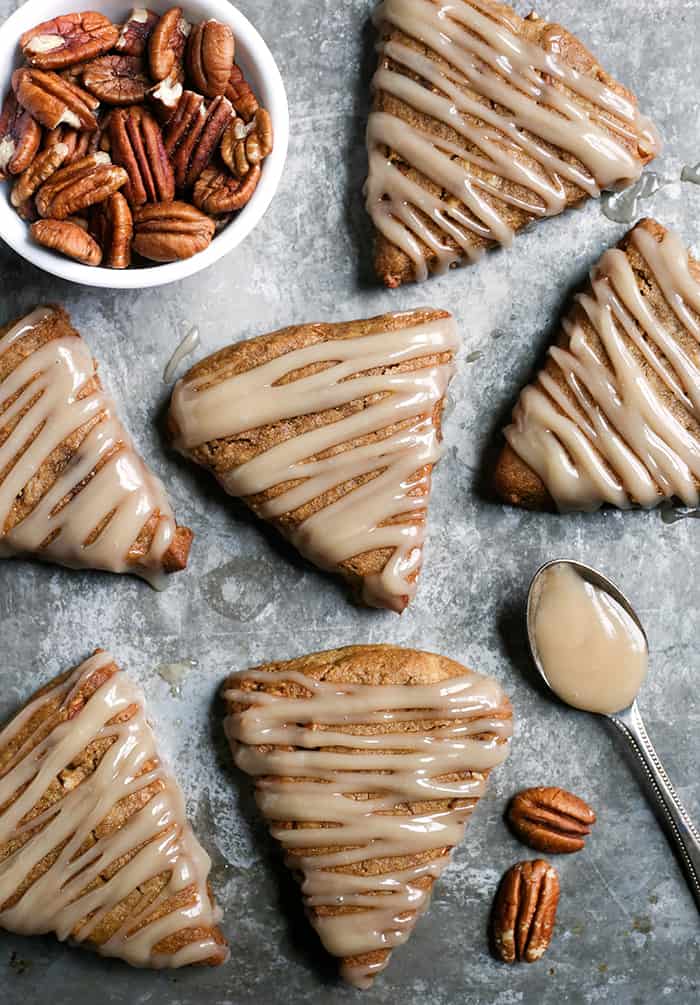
pixel 627 929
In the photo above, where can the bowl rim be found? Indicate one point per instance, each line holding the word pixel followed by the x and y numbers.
pixel 257 54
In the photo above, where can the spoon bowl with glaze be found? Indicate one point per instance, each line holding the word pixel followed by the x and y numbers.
pixel 591 651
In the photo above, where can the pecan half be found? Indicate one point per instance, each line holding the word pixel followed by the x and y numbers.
pixel 54 101
pixel 137 144
pixel 69 238
pixel 209 57
pixel 79 144
pixel 68 39
pixel 551 820
pixel 245 145
pixel 171 231
pixel 20 137
pixel 524 911
pixel 112 226
pixel 40 170
pixel 136 31
pixel 79 185
pixel 240 94
pixel 217 191
pixel 165 96
pixel 193 135
pixel 167 43
pixel 117 80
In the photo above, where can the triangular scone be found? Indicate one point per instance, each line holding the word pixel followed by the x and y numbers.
pixel 614 416
pixel 368 762
pixel 73 489
pixel 481 123
pixel 330 432
pixel 94 843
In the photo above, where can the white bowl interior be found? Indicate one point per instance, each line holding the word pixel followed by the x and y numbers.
pixel 260 69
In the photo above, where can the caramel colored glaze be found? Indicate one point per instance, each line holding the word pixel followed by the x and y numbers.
pixel 368 762
pixel 614 416
pixel 593 653
pixel 94 843
pixel 483 122
pixel 73 489
pixel 330 432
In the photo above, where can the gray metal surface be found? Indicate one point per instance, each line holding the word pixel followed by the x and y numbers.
pixel 627 929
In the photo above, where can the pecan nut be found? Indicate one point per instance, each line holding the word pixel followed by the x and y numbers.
pixel 112 226
pixel 167 43
pixel 193 135
pixel 20 137
pixel 40 170
pixel 550 820
pixel 79 185
pixel 136 31
pixel 79 144
pixel 117 80
pixel 524 911
pixel 240 94
pixel 69 39
pixel 54 101
pixel 245 145
pixel 136 143
pixel 171 231
pixel 209 56
pixel 217 191
pixel 69 238
pixel 165 96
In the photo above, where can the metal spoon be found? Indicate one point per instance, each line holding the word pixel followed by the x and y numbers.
pixel 682 834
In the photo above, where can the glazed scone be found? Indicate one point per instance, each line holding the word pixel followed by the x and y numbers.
pixel 94 843
pixel 614 416
pixel 330 432
pixel 337 744
pixel 483 122
pixel 73 489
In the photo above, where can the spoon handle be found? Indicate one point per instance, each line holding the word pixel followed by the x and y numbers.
pixel 680 829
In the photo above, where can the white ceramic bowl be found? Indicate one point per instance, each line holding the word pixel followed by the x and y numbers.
pixel 260 69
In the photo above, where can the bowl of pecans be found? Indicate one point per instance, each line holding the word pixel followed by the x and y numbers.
pixel 137 145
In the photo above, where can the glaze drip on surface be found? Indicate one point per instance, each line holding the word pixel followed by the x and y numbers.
pixel 394 471
pixel 277 740
pixel 189 344
pixel 95 510
pixel 623 207
pixel 626 430
pixel 521 113
pixel 85 883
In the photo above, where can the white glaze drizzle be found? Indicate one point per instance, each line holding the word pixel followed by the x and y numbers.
pixel 61 899
pixel 260 736
pixel 488 58
pixel 189 344
pixel 352 525
pixel 56 372
pixel 618 441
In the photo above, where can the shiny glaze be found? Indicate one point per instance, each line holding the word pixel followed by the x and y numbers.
pixel 487 58
pixel 593 653
pixel 357 522
pixel 615 439
pixel 58 528
pixel 61 898
pixel 277 738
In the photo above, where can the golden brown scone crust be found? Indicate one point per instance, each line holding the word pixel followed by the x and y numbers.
pixel 392 265
pixel 58 325
pixel 46 718
pixel 368 665
pixel 221 455
pixel 514 480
